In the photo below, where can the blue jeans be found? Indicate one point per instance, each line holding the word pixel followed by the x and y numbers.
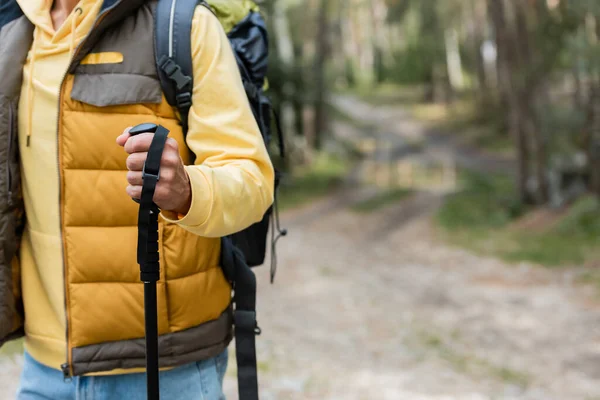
pixel 201 380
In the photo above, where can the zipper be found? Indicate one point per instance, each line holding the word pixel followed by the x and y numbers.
pixel 67 368
pixel 66 371
pixel 11 129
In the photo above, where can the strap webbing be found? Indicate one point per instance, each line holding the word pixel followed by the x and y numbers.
pixel 280 141
pixel 174 58
pixel 148 256
pixel 148 214
pixel 246 327
pixel 176 75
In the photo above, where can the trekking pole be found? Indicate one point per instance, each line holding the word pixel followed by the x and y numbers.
pixel 147 255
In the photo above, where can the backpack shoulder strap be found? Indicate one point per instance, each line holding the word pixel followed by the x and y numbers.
pixel 173 30
pixel 173 48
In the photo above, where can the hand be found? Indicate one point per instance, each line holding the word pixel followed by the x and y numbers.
pixel 173 191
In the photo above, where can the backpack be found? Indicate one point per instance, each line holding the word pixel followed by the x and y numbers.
pixel 247 33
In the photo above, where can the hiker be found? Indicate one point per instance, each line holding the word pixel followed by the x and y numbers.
pixel 74 76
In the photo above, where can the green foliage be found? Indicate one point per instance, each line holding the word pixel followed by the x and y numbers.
pixel 311 182
pixel 485 202
pixel 397 9
pixel 483 215
pixel 563 125
pixel 583 219
pixel 412 65
pixel 572 240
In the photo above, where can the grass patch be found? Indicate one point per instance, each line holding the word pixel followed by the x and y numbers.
pixel 381 200
pixel 313 181
pixel 481 218
pixel 592 278
pixel 473 365
pixel 12 348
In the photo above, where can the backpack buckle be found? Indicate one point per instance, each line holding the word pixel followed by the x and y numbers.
pixel 173 71
pixel 155 176
pixel 246 320
pixel 184 100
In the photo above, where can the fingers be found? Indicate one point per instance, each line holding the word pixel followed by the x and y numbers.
pixel 134 178
pixel 135 192
pixel 123 137
pixel 135 162
pixel 170 160
pixel 139 143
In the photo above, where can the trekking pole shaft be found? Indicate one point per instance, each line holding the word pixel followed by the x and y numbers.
pixel 151 340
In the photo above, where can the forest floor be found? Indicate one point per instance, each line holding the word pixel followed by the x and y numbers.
pixel 374 305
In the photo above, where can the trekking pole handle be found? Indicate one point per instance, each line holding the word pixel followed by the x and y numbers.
pixel 137 130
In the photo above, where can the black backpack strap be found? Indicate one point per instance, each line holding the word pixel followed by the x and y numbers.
pixel 173 29
pixel 246 327
pixel 173 48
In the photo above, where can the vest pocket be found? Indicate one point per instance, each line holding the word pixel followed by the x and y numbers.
pixel 104 90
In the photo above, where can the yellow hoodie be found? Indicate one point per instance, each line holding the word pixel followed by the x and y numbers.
pixel 232 164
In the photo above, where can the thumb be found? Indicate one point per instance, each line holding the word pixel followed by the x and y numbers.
pixel 123 137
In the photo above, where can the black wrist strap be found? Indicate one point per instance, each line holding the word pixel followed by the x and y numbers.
pixel 148 214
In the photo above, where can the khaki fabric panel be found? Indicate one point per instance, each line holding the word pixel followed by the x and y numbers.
pixel 197 298
pixel 117 112
pixel 97 198
pixel 187 254
pixel 16 280
pixel 15 41
pixel 102 254
pixel 133 37
pixel 175 349
pixel 116 89
pixel 107 312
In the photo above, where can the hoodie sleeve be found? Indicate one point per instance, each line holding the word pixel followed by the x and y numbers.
pixel 233 179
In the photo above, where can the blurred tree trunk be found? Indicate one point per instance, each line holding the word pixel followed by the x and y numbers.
pixel 289 88
pixel 431 33
pixel 348 41
pixel 453 60
pixel 591 139
pixel 498 17
pixel 297 75
pixel 478 16
pixel 320 81
pixel 378 11
pixel 275 63
pixel 299 89
pixel 509 75
pixel 530 89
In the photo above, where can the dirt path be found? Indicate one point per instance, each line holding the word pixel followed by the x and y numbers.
pixel 374 306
